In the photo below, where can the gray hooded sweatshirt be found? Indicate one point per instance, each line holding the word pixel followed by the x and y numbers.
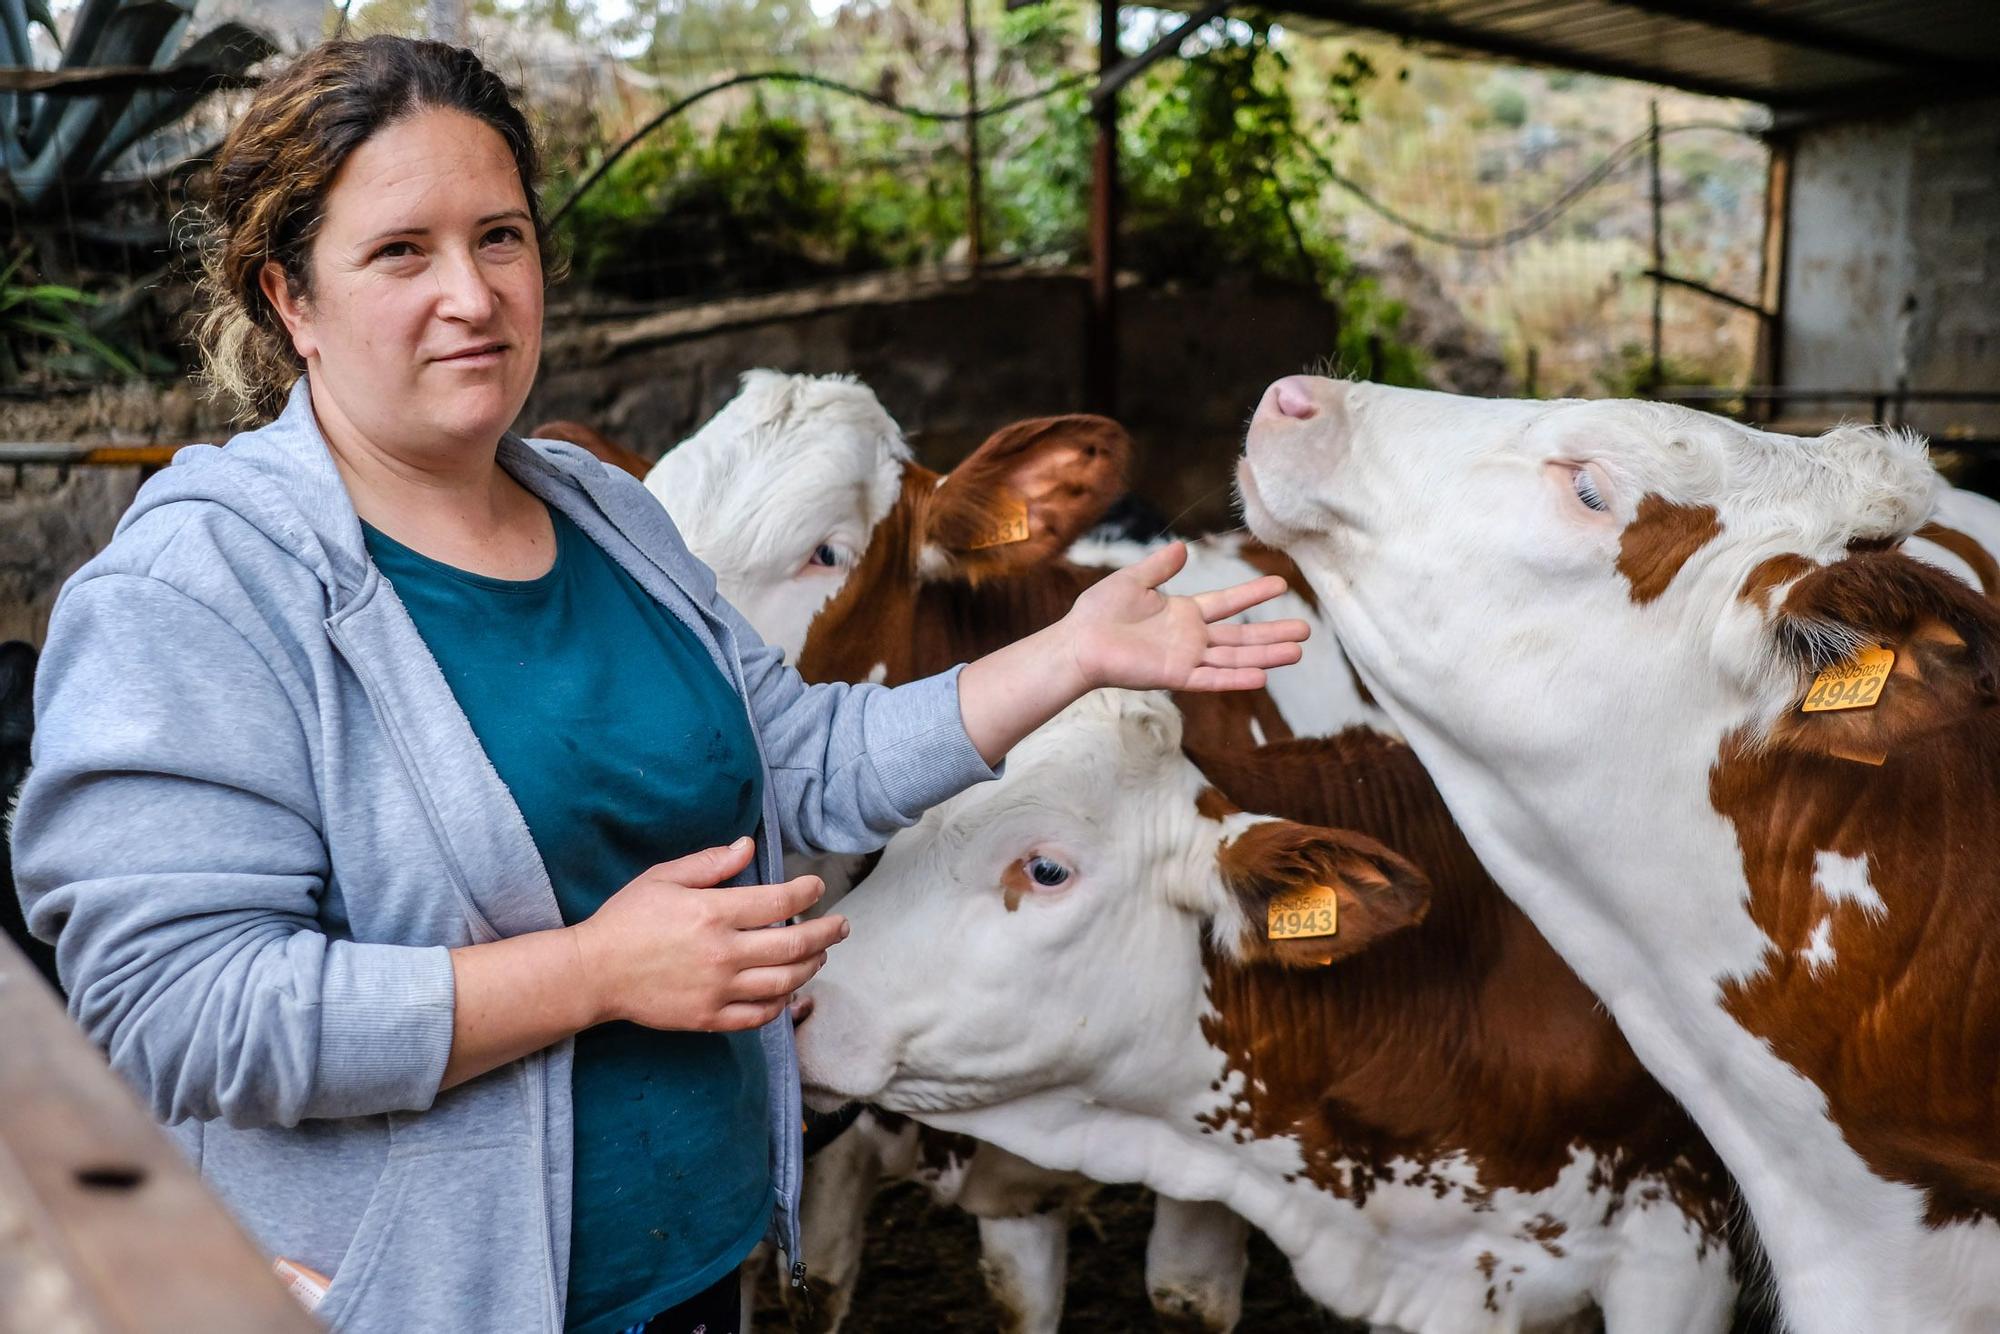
pixel 258 821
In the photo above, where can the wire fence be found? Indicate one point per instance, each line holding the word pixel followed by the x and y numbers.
pixel 1514 202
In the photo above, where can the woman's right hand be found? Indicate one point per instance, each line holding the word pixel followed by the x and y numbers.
pixel 673 951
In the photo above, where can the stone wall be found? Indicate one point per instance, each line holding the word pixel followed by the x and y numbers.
pixel 952 361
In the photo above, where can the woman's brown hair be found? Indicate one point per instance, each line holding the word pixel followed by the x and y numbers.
pixel 266 192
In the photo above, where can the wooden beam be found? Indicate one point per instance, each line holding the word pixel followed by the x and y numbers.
pixel 103 1225
pixel 119 78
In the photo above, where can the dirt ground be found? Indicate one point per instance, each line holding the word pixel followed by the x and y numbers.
pixel 921 1273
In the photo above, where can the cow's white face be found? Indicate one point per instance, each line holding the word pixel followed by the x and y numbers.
pixel 1525 575
pixel 1047 931
pixel 779 491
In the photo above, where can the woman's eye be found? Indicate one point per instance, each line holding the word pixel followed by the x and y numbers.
pixel 1046 873
pixel 395 250
pixel 1587 492
pixel 826 556
pixel 503 236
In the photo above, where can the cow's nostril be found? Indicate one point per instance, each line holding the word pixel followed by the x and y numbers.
pixel 1291 398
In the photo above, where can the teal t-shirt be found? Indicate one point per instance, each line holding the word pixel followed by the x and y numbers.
pixel 624 746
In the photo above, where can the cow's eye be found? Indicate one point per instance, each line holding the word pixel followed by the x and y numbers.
pixel 1048 873
pixel 827 556
pixel 1586 491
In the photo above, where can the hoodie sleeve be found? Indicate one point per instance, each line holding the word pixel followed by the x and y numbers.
pixel 168 843
pixel 852 764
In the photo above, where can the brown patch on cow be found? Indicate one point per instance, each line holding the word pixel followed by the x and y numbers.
pixel 1769 574
pixel 1379 893
pixel 600 446
pixel 940 1152
pixel 1662 537
pixel 1270 560
pixel 1212 805
pixel 888 613
pixel 1898 1033
pixel 1544 1230
pixel 1014 884
pixel 1487 1264
pixel 1868 546
pixel 1361 690
pixel 1962 545
pixel 1467 1039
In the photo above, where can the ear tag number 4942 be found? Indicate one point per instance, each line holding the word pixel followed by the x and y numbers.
pixel 1854 684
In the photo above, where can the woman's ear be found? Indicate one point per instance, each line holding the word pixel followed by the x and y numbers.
pixel 277 289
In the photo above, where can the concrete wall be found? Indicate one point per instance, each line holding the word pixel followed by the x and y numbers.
pixel 1894 265
pixel 952 362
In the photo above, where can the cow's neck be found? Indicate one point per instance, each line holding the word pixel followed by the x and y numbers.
pixel 1841 1149
pixel 1516 1070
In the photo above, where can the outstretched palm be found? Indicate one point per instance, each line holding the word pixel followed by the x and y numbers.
pixel 1126 632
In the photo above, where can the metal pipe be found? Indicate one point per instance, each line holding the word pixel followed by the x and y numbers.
pixel 1659 371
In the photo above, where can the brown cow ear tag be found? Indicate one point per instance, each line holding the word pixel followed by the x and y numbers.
pixel 1007 527
pixel 1854 684
pixel 1303 913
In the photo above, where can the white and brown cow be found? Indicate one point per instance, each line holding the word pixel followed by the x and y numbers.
pixel 1600 625
pixel 1439 1125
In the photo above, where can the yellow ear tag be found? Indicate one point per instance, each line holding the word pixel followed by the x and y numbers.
pixel 1854 684
pixel 1304 913
pixel 1009 527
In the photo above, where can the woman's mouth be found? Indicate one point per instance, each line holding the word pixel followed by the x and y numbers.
pixel 480 354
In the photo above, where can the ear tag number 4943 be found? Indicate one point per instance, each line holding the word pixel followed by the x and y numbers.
pixel 1854 684
pixel 1303 913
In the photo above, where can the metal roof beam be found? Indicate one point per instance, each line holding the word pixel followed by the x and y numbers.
pixel 1426 27
pixel 1809 36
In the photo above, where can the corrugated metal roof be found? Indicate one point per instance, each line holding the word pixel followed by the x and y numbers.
pixel 1821 55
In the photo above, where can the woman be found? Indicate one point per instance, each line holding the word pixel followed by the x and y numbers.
pixel 389 767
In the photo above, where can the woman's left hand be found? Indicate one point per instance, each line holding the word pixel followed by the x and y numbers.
pixel 1124 631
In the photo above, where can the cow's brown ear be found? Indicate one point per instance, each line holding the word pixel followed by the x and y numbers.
pixel 1025 494
pixel 600 446
pixel 1314 877
pixel 1946 641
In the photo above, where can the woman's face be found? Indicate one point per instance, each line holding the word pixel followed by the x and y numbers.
pixel 423 326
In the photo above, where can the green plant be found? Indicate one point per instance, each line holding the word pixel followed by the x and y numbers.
pixel 49 318
pixel 53 139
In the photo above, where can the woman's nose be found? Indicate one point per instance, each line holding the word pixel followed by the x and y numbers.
pixel 464 293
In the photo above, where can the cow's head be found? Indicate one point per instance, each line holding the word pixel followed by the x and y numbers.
pixel 802 486
pixel 1050 930
pixel 1537 581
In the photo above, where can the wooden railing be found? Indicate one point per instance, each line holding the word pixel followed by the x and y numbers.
pixel 103 1225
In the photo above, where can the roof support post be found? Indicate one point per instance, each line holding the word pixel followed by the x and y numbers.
pixel 1101 331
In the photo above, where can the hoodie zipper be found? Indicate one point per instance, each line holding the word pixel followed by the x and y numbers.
pixel 790 1168
pixel 538 1125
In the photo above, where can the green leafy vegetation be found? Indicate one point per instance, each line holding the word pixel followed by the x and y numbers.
pixel 55 327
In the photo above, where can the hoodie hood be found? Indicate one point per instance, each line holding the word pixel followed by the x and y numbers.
pixel 281 480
